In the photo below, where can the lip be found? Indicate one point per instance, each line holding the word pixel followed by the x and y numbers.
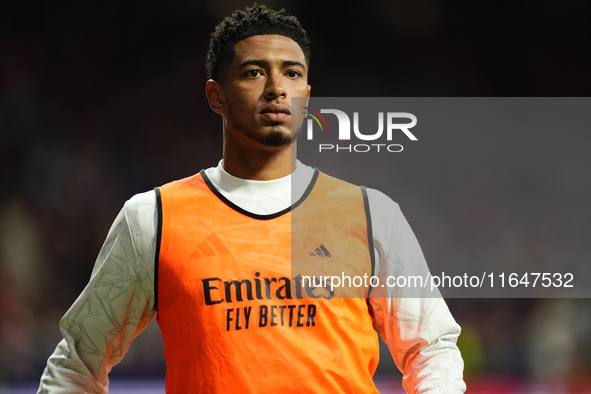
pixel 276 112
pixel 276 108
pixel 276 116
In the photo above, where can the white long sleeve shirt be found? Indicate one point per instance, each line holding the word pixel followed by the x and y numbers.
pixel 118 302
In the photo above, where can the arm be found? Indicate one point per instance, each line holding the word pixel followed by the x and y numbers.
pixel 116 305
pixel 420 332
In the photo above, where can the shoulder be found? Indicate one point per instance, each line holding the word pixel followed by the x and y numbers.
pixel 381 204
pixel 141 201
pixel 330 181
pixel 195 181
pixel 141 215
pixel 384 213
pixel 133 233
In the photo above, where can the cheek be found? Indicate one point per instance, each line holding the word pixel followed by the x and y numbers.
pixel 244 100
pixel 300 89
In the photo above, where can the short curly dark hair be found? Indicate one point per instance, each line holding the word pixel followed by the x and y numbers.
pixel 256 20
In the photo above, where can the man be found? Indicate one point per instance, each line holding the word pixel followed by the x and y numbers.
pixel 211 256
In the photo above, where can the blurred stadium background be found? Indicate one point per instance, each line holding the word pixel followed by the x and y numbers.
pixel 99 101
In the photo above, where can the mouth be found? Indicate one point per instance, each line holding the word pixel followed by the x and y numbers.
pixel 276 112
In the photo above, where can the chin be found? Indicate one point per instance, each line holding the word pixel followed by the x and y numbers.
pixel 277 137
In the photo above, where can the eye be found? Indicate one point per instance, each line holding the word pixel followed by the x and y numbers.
pixel 253 73
pixel 293 74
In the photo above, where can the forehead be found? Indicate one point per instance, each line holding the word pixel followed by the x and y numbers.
pixel 268 47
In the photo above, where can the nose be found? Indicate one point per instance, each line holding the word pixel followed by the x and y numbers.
pixel 273 89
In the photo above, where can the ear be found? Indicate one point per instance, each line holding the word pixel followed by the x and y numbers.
pixel 214 93
pixel 308 95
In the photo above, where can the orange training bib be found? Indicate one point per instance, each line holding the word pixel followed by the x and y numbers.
pixel 237 317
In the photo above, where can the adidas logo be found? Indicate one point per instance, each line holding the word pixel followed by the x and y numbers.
pixel 212 246
pixel 320 251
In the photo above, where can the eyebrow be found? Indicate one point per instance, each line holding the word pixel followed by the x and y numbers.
pixel 264 63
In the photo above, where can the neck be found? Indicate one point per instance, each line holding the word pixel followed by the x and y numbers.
pixel 258 163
